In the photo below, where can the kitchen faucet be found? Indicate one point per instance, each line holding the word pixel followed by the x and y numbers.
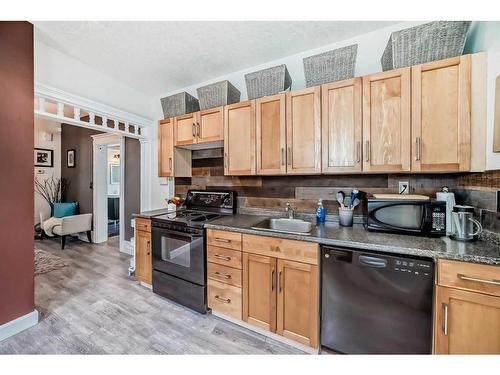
pixel 290 210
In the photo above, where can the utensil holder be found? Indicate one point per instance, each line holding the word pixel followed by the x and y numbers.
pixel 345 216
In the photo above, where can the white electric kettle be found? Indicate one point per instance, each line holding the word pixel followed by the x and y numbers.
pixel 463 224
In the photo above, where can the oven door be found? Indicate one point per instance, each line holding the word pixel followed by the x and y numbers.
pixel 397 217
pixel 179 254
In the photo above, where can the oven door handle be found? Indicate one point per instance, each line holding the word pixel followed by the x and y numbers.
pixel 176 233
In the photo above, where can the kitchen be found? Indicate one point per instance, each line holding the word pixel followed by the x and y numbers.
pixel 400 255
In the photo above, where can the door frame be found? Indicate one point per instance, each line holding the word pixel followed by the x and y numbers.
pixel 100 186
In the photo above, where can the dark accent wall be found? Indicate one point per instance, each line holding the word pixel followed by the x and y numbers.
pixel 80 177
pixel 132 183
pixel 16 169
pixel 272 192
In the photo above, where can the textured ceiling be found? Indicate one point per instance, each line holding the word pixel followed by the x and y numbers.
pixel 158 57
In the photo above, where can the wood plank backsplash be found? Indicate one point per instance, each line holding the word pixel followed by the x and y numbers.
pixel 272 192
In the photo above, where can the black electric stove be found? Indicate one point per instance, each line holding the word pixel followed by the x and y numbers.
pixel 179 249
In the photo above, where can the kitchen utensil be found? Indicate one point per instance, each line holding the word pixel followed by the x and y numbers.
pixel 355 203
pixel 354 195
pixel 345 216
pixel 463 224
pixel 347 202
pixel 340 198
pixel 445 196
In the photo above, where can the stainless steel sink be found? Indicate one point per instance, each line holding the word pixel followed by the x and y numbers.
pixel 293 226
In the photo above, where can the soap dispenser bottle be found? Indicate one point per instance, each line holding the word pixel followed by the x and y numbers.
pixel 320 212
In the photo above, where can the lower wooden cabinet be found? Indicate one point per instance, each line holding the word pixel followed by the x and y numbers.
pixel 259 291
pixel 143 257
pixel 298 302
pixel 466 322
pixel 467 309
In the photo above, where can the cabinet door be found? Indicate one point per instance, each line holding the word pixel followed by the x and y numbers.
pixel 303 126
pixel 239 138
pixel 185 129
pixel 165 148
pixel 441 100
pixel 341 126
pixel 298 302
pixel 210 125
pixel 466 322
pixel 143 262
pixel 386 121
pixel 271 134
pixel 259 291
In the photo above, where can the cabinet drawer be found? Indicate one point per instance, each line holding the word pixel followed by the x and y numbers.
pixel 469 276
pixel 224 298
pixel 300 251
pixel 143 224
pixel 225 257
pixel 224 274
pixel 220 238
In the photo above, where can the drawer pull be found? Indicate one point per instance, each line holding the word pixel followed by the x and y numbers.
pixel 222 257
pixel 280 282
pixel 222 299
pixel 445 319
pixel 272 280
pixel 222 239
pixel 461 276
pixel 221 275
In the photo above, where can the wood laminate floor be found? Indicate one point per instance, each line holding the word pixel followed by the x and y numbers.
pixel 91 306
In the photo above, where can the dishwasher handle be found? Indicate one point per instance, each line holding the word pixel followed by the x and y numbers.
pixel 374 262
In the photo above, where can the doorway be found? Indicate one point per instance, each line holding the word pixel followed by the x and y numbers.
pixel 108 189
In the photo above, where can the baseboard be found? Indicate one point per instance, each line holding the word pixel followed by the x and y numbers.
pixel 274 336
pixel 18 325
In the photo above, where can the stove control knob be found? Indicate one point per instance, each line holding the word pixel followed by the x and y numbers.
pixel 327 255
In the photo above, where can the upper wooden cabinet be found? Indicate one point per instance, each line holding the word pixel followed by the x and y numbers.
pixel 386 121
pixel 303 131
pixel 166 148
pixel 239 138
pixel 441 115
pixel 270 121
pixel 172 161
pixel 341 126
pixel 210 125
pixel 185 129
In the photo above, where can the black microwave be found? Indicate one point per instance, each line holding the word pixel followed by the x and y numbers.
pixel 416 217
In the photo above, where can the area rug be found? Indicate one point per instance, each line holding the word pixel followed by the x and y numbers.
pixel 46 262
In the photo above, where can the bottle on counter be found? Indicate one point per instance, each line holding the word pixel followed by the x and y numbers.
pixel 320 212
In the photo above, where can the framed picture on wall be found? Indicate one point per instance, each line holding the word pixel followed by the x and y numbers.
pixel 44 157
pixel 71 159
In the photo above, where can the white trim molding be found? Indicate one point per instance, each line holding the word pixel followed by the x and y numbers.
pixel 132 125
pixel 18 325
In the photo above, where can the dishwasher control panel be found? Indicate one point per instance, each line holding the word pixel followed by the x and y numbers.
pixel 412 266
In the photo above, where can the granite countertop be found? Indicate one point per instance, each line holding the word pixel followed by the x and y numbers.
pixel 486 252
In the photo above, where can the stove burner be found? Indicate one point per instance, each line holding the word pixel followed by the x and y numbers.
pixel 205 217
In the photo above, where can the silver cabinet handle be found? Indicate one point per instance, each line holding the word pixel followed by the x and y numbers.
pixel 198 129
pixel 272 280
pixel 170 163
pixel 225 160
pixel 358 152
pixel 222 257
pixel 367 150
pixel 221 275
pixel 289 156
pixel 282 156
pixel 222 299
pixel 445 319
pixel 280 282
pixel 418 148
pixel 461 276
pixel 221 239
pixel 194 130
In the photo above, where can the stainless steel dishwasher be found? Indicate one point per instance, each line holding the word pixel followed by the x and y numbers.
pixel 374 303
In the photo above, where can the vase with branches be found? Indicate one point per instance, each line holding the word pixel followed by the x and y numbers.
pixel 51 189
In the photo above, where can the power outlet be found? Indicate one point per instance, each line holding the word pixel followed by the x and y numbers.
pixel 404 187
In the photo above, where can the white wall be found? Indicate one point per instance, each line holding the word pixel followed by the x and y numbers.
pixel 485 36
pixel 45 126
pixel 64 72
